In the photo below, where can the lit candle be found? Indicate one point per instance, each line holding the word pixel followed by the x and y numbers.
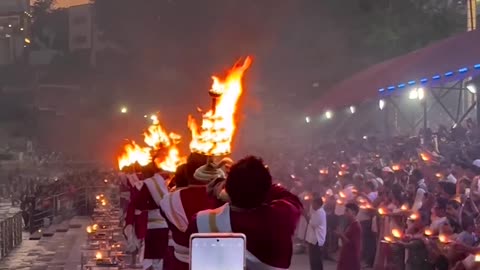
pixel 342 194
pixel 306 197
pixel 388 239
pixel 339 201
pixel 323 171
pixel 397 233
pixel 404 207
pixel 477 257
pixel 89 229
pixel 396 167
pixel 95 227
pixel 382 211
pixel 443 239
pixel 424 157
pixel 413 216
pixel 98 255
pixel 428 232
pixel 439 175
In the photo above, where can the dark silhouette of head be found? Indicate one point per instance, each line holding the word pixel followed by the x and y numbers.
pixel 248 182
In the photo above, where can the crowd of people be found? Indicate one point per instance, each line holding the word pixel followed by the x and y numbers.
pixel 42 198
pixel 417 200
pixel 406 203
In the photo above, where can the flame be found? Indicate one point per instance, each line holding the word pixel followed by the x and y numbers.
pixel 404 207
pixel 439 175
pixel 306 197
pixel 388 239
pixel 217 129
pixel 382 211
pixel 133 153
pixel 424 157
pixel 397 233
pixel 157 138
pixel 89 229
pixel 443 238
pixel 98 255
pixel 477 257
pixel 342 194
pixel 396 167
pixel 323 171
pixel 428 232
pixel 339 201
pixel 413 216
pixel 95 227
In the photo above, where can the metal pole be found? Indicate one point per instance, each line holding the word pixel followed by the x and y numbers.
pixel 425 123
pixel 386 120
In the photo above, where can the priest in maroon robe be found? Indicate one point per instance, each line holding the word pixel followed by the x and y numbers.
pixel 150 193
pixel 267 214
pixel 180 206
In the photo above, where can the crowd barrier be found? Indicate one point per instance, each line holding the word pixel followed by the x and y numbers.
pixel 59 207
pixel 11 228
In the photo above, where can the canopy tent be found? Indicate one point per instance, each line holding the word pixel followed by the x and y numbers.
pixel 448 60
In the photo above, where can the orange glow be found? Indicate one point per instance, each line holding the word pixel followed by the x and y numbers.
pixel 443 239
pixel 382 211
pixel 134 153
pixel 424 157
pixel 428 232
pixel 477 257
pixel 98 255
pixel 156 137
pixel 342 173
pixel 339 201
pixel 397 233
pixel 388 239
pixel 89 229
pixel 439 175
pixel 396 167
pixel 306 197
pixel 218 127
pixel 404 207
pixel 342 194
pixel 413 216
pixel 323 171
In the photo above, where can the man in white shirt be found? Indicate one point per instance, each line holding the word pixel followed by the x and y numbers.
pixel 316 233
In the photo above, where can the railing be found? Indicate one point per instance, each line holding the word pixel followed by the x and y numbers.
pixel 10 233
pixel 54 209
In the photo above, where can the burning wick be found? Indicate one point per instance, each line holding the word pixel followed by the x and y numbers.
pixel 404 207
pixel 388 239
pixel 306 197
pixel 339 202
pixel 428 232
pixel 397 233
pixel 443 239
pixel 89 229
pixel 382 211
pixel 342 195
pixel 322 171
pixel 98 256
pixel 396 167
pixel 95 227
pixel 424 157
pixel 438 175
pixel 413 216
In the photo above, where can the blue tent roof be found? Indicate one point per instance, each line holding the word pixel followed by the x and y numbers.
pixel 450 59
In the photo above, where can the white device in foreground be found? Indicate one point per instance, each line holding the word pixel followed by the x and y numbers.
pixel 217 251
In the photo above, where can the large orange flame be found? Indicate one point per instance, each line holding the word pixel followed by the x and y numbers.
pixel 133 153
pixel 158 139
pixel 218 127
